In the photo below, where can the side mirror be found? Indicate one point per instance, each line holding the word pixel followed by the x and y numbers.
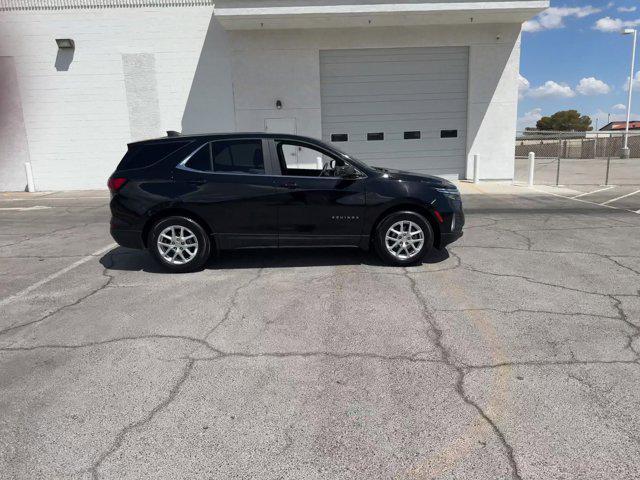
pixel 347 171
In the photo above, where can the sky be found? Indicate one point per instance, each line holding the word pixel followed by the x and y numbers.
pixel 574 57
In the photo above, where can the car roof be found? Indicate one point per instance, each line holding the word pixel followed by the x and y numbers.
pixel 220 136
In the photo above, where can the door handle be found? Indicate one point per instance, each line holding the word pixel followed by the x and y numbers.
pixel 197 182
pixel 291 185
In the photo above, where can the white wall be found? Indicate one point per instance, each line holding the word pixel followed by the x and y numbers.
pixel 79 121
pixel 284 64
pixel 493 106
pixel 14 148
pixel 80 112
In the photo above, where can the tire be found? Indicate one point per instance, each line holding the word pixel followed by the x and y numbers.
pixel 408 249
pixel 179 244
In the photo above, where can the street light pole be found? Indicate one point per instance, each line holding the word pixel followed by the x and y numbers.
pixel 634 32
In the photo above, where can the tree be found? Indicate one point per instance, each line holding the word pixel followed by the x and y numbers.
pixel 565 120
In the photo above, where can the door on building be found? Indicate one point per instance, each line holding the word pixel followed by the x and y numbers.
pixel 400 108
pixel 280 125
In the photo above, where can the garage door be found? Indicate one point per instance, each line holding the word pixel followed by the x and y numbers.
pixel 400 108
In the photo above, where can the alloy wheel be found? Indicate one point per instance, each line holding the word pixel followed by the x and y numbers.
pixel 404 239
pixel 177 245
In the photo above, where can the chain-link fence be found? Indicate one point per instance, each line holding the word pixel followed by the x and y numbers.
pixel 578 158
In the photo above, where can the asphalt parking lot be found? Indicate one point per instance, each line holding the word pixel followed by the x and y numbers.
pixel 513 354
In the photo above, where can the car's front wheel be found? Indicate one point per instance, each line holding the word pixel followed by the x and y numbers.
pixel 403 238
pixel 179 244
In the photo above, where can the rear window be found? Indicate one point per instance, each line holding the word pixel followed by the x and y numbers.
pixel 229 156
pixel 146 154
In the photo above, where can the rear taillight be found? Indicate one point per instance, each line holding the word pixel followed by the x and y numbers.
pixel 116 183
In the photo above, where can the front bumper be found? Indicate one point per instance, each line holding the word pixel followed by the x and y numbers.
pixel 451 230
pixel 447 238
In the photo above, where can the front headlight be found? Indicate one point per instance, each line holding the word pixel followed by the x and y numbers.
pixel 451 193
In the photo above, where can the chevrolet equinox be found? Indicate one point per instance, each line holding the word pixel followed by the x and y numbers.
pixel 184 196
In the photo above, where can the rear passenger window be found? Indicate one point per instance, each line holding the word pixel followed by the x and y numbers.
pixel 243 156
pixel 146 154
pixel 229 156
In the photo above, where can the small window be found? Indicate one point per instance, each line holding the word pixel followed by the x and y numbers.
pixel 448 133
pixel 201 160
pixel 146 154
pixel 412 135
pixel 375 136
pixel 339 137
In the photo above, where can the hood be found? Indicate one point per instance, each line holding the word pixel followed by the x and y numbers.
pixel 417 177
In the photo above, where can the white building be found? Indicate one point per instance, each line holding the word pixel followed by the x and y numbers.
pixel 420 85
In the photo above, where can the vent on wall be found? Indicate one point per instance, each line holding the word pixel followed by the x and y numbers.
pixel 448 133
pixel 411 135
pixel 375 136
pixel 339 137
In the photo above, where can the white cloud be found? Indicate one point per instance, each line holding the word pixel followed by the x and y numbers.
pixel 608 24
pixel 553 17
pixel 552 89
pixel 619 106
pixel 592 86
pixel 605 117
pixel 523 86
pixel 531 26
pixel 529 119
pixel 636 83
pixel 627 9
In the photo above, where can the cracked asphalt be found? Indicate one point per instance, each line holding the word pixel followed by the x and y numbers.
pixel 512 355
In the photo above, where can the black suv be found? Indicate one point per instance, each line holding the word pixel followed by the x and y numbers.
pixel 183 196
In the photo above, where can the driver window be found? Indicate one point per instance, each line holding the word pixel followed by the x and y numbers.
pixel 302 160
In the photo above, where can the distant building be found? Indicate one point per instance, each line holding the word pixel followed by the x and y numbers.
pixel 617 126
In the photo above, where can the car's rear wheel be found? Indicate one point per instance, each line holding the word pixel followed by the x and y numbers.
pixel 403 238
pixel 179 244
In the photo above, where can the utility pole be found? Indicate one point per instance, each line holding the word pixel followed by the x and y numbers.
pixel 634 33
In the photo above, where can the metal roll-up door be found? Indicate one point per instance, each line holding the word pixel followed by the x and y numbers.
pixel 402 108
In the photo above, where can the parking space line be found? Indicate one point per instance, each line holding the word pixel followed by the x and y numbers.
pixel 583 201
pixel 25 209
pixel 595 191
pixel 51 198
pixel 55 275
pixel 620 198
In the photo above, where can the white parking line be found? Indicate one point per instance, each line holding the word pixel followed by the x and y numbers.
pixel 26 199
pixel 55 275
pixel 583 201
pixel 22 209
pixel 620 198
pixel 595 191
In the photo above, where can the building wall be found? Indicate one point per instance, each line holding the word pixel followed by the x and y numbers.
pixel 138 72
pixel 14 149
pixel 130 77
pixel 284 64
